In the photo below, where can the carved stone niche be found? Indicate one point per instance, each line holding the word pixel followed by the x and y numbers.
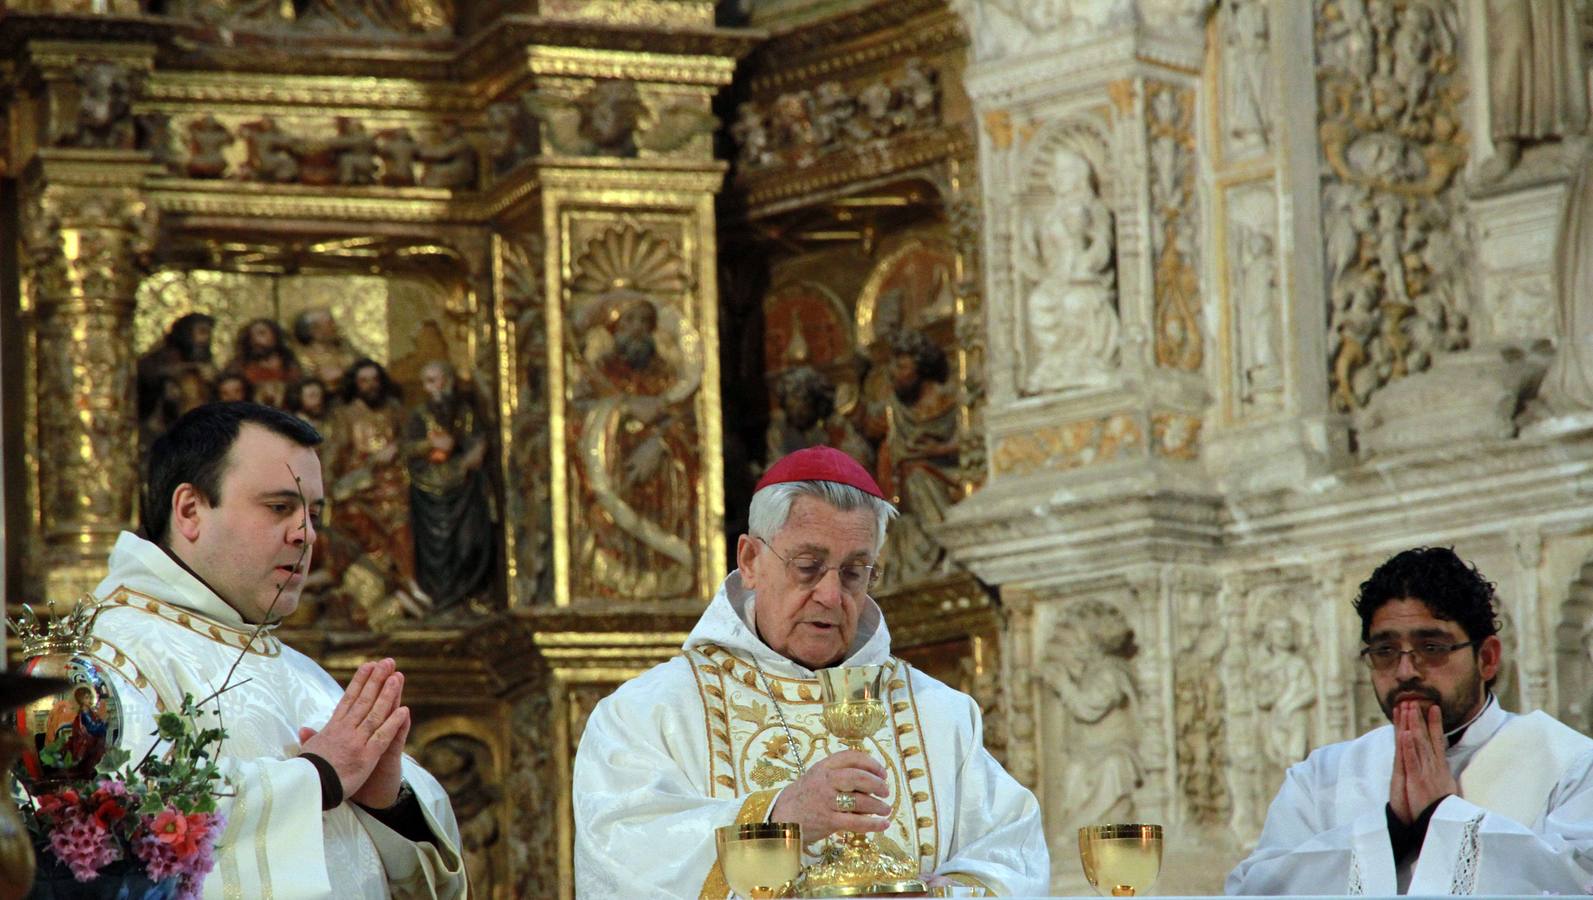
pixel 1573 650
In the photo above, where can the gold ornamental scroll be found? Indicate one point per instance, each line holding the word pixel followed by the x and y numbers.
pixel 637 478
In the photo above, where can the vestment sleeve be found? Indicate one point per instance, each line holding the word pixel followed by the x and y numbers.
pixel 425 870
pixel 643 827
pixel 1299 854
pixel 1471 850
pixel 997 838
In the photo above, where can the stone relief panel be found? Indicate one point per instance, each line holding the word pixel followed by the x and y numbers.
pixel 1254 299
pixel 1391 91
pixel 1246 79
pixel 1091 716
pixel 1200 709
pixel 1573 650
pixel 635 366
pixel 1002 28
pixel 1066 261
pixel 377 17
pixel 464 764
pixel 532 788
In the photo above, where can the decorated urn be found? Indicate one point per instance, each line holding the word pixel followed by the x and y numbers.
pixel 64 734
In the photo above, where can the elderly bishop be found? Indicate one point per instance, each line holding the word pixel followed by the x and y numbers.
pixel 729 731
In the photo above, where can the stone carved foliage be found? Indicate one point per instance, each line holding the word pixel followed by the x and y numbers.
pixel 1068 446
pixel 1391 90
pixel 1087 679
pixel 797 128
pixel 1174 225
pixel 1199 711
pixel 1066 260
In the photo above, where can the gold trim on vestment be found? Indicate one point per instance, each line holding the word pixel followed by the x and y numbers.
pixel 226 635
pixel 261 857
pixel 963 878
pixel 755 809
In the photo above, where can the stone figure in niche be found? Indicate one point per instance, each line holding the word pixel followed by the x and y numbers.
pixel 398 151
pixel 450 161
pixel 1088 673
pixel 273 153
pixel 1567 387
pixel 356 152
pixel 370 487
pixel 807 417
pixel 262 356
pixel 450 497
pixel 1249 102
pixel 1285 691
pixel 104 108
pixel 1256 287
pixel 322 351
pixel 232 387
pixel 462 764
pixel 208 141
pixel 917 463
pixel 180 370
pixel 1072 308
pixel 1537 79
pixel 637 434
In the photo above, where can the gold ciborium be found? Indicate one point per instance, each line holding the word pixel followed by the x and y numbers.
pixel 852 866
pixel 1121 860
pixel 759 860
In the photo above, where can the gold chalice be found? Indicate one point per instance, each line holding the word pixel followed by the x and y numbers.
pixel 1121 860
pixel 759 860
pixel 852 866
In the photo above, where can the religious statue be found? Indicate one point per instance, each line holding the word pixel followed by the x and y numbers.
pixel 262 356
pixel 398 151
pixel 232 387
pixel 450 161
pixel 180 368
pixel 1285 691
pixel 917 465
pixel 1249 97
pixel 1072 308
pixel 1088 673
pixel 322 350
pixel 636 441
pixel 208 140
pixel 807 417
pixel 1256 288
pixel 1567 387
pixel 273 153
pixel 370 484
pixel 310 400
pixel 1537 78
pixel 446 440
pixel 355 151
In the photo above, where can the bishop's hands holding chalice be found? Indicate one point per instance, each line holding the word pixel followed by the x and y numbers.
pixel 842 792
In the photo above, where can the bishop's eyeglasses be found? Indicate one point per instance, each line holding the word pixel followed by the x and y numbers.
pixel 806 572
pixel 1385 657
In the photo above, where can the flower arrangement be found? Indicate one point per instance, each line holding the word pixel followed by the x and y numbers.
pixel 157 816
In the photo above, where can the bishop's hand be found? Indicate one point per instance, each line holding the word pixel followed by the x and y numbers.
pixel 815 800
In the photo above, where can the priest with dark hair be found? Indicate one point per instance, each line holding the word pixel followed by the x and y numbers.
pixel 729 731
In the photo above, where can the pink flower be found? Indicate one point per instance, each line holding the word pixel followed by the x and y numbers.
pixel 171 828
pixel 82 845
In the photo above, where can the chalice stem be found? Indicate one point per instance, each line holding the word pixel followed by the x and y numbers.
pixel 1122 890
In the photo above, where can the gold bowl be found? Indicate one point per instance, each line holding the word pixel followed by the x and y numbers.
pixel 760 859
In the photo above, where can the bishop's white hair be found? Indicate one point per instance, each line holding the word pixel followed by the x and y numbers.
pixel 771 507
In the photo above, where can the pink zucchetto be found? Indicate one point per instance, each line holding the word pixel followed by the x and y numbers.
pixel 821 464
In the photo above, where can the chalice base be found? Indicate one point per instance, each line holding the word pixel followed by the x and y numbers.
pixel 854 867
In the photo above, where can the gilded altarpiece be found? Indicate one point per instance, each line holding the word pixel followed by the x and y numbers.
pixel 473 244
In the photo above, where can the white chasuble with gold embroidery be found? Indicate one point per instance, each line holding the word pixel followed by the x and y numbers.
pixel 164 634
pixel 712 736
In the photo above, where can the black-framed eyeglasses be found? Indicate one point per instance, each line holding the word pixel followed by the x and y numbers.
pixel 1386 657
pixel 805 571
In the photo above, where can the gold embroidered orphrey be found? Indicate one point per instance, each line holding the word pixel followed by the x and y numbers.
pixel 748 753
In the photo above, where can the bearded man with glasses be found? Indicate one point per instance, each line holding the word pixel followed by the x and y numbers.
pixel 1457 795
pixel 730 732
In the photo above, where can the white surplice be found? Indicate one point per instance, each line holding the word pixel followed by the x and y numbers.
pixel 1521 824
pixel 164 633
pixel 699 742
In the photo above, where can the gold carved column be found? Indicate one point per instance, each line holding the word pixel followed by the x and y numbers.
pixel 85 222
